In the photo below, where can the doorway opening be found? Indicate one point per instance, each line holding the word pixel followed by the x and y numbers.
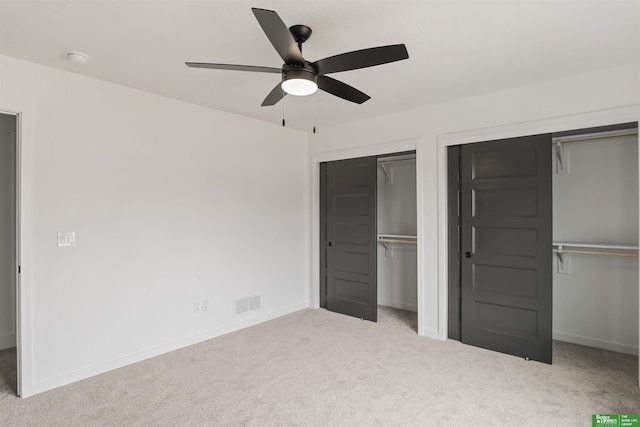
pixel 8 253
pixel 368 237
pixel 592 257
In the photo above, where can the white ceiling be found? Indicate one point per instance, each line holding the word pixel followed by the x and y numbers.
pixel 456 49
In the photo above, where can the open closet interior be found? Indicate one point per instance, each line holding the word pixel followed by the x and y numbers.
pixel 545 251
pixel 397 231
pixel 368 224
pixel 595 238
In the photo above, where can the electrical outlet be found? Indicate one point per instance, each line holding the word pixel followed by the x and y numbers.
pixel 200 306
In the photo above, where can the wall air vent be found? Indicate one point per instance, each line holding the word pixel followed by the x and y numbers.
pixel 244 305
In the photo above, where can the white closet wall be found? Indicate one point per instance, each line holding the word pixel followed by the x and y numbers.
pixel 396 210
pixel 596 303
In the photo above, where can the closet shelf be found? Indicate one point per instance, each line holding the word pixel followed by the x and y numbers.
pixel 592 245
pixel 607 249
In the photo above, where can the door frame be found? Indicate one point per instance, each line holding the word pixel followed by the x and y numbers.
pixel 549 125
pixel 23 238
pixel 412 144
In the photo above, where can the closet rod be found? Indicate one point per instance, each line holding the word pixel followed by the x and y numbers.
pixel 598 139
pixel 396 241
pixel 571 251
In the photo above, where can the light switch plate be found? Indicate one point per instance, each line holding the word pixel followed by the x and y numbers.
pixel 66 239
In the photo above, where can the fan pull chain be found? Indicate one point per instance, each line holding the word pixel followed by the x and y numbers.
pixel 283 101
pixel 314 113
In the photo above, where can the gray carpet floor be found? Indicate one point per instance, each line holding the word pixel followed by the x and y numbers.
pixel 317 368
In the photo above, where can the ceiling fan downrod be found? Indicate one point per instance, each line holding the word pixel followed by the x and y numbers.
pixel 300 33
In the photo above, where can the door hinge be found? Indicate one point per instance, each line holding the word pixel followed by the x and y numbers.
pixel 19 269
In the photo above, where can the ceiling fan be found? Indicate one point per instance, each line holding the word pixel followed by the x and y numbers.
pixel 301 77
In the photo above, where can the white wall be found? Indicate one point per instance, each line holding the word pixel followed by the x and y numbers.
pixel 596 200
pixel 171 204
pixel 558 105
pixel 7 230
pixel 396 214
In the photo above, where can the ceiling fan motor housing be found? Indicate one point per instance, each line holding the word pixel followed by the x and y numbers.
pixel 306 72
pixel 299 80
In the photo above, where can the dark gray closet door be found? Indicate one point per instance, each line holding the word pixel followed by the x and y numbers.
pixel 351 237
pixel 506 245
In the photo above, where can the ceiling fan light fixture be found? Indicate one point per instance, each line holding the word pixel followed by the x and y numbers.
pixel 299 82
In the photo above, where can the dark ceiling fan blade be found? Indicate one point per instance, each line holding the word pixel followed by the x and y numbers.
pixel 279 36
pixel 274 96
pixel 342 90
pixel 233 67
pixel 361 59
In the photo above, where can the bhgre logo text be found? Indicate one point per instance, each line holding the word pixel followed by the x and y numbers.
pixel 606 420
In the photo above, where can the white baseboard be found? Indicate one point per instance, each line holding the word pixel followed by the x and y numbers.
pixel 71 377
pixel 7 340
pixel 593 342
pixel 429 333
pixel 396 304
